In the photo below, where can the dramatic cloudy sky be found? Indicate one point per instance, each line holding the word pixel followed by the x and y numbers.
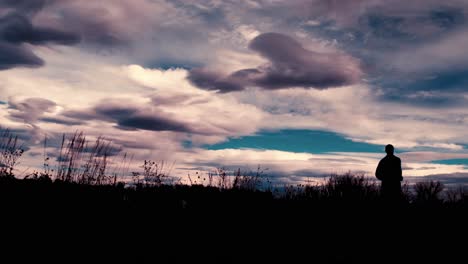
pixel 303 88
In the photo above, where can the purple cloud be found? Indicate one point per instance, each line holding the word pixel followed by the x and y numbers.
pixel 26 5
pixel 290 65
pixel 211 80
pixel 151 122
pixel 12 56
pixel 31 109
pixel 129 117
pixel 61 121
pixel 16 29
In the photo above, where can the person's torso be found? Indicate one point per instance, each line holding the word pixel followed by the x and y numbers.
pixel 391 168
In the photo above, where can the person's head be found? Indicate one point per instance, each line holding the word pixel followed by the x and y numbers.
pixel 389 149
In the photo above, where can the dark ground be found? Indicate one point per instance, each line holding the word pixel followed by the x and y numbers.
pixel 45 222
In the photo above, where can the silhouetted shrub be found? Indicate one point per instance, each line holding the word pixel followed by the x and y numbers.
pixel 349 187
pixel 455 195
pixel 428 191
pixel 154 174
pixel 248 181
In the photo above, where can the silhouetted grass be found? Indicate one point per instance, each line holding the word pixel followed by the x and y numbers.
pixel 10 152
pixel 85 162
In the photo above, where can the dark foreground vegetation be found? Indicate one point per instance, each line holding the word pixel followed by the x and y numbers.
pixel 78 211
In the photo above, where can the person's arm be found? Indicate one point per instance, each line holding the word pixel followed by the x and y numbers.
pixel 400 171
pixel 378 171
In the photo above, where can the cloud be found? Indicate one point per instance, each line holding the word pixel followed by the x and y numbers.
pixel 355 112
pixel 12 56
pixel 110 25
pixel 436 56
pixel 211 80
pixel 405 47
pixel 151 122
pixel 294 66
pixel 193 119
pixel 450 179
pixel 31 109
pixel 289 167
pixel 289 65
pixel 348 14
pixel 282 164
pixel 128 116
pixel 25 5
pixel 142 92
pixel 209 114
pixel 428 156
pixel 17 30
pixel 62 121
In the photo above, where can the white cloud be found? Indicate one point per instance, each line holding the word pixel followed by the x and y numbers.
pixel 427 156
pixel 210 113
pixel 442 54
pixel 171 79
pixel 312 23
pixel 288 164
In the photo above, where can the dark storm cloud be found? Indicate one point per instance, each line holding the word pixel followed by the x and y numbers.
pixel 12 56
pixel 210 80
pixel 129 117
pixel 151 122
pixel 290 65
pixel 17 30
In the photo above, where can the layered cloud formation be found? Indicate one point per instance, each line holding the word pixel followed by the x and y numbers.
pixel 172 79
pixel 289 65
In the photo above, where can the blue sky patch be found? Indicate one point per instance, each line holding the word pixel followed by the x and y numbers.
pixel 166 64
pixel 453 80
pixel 309 141
pixel 451 162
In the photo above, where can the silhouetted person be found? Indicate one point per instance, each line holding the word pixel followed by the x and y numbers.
pixel 389 172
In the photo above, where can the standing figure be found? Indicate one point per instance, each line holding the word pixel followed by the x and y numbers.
pixel 389 172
